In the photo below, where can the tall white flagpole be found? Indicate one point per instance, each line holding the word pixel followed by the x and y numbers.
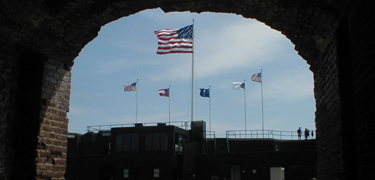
pixel 136 105
pixel 169 97
pixel 192 80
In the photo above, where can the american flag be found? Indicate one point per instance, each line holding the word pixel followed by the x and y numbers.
pixel 175 40
pixel 130 87
pixel 257 77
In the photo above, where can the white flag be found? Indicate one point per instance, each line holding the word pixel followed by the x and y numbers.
pixel 238 85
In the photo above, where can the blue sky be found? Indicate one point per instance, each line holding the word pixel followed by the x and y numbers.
pixel 227 48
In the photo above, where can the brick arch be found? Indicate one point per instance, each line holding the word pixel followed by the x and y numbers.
pixel 42 38
pixel 71 25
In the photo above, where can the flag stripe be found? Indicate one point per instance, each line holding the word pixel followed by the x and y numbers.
pixel 171 46
pixel 174 52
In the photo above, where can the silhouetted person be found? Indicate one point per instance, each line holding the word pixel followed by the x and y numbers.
pixel 299 132
pixel 307 133
pixel 312 134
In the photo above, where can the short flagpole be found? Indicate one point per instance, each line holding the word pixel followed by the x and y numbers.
pixel 136 105
pixel 261 89
pixel 169 97
pixel 244 93
pixel 209 105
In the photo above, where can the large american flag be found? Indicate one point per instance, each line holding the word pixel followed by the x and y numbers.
pixel 175 40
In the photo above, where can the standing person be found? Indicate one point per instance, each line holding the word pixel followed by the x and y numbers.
pixel 307 133
pixel 299 132
pixel 312 134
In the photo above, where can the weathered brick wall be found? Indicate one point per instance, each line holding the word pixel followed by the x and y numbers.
pixel 52 138
pixel 6 103
pixel 328 115
pixel 33 117
pixel 360 24
pixel 344 92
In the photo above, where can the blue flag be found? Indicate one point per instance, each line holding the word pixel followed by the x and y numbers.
pixel 205 92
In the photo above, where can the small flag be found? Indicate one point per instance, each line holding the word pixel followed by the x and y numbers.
pixel 238 85
pixel 175 40
pixel 205 92
pixel 164 92
pixel 257 77
pixel 131 87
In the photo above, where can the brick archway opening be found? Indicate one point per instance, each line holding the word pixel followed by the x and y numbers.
pixel 47 36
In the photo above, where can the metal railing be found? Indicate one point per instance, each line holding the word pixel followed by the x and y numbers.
pixel 181 124
pixel 271 134
pixel 210 134
pixel 251 134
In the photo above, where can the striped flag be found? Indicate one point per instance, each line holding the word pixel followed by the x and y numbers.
pixel 175 40
pixel 164 92
pixel 130 87
pixel 257 77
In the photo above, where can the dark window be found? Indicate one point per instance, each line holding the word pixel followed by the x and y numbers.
pixel 163 141
pixel 148 141
pixel 156 142
pixel 118 145
pixel 135 142
pixel 127 142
